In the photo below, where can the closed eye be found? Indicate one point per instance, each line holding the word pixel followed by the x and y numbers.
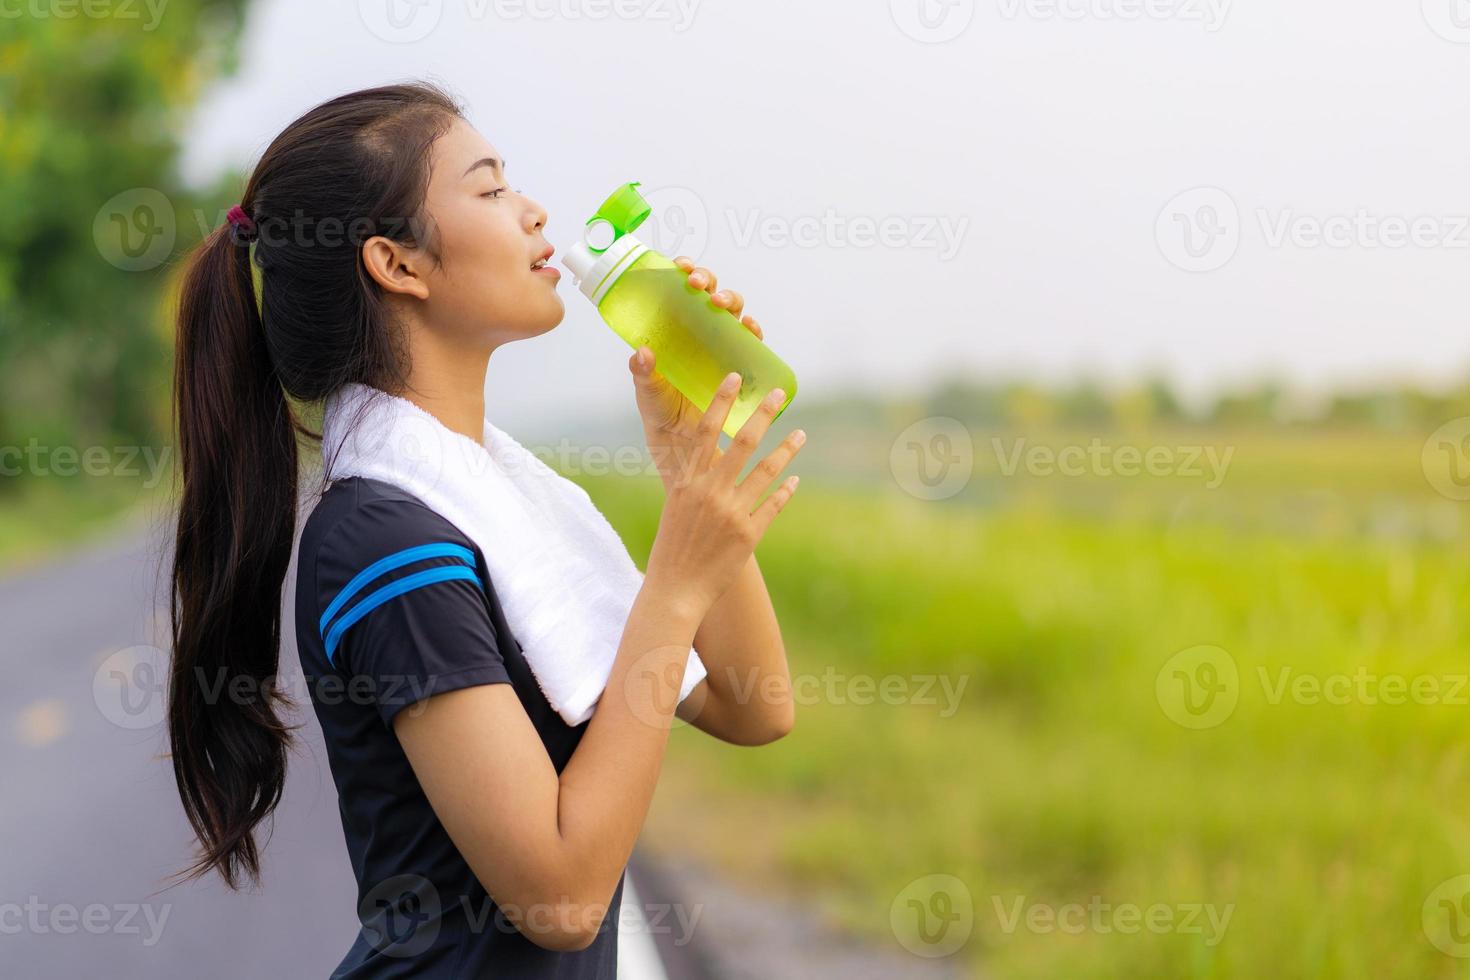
pixel 495 194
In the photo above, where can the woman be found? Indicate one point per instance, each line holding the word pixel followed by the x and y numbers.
pixel 488 836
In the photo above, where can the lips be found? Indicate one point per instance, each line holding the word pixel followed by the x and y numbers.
pixel 544 257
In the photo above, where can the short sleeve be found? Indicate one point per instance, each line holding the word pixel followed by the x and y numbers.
pixel 402 610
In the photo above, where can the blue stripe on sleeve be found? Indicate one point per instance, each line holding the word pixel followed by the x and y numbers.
pixel 379 568
pixel 431 576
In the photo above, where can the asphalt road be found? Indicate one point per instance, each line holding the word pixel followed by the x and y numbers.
pixel 90 824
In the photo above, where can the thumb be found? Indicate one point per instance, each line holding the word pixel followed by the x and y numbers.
pixel 641 364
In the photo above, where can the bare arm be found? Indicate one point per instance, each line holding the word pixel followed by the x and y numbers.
pixel 550 849
pixel 746 699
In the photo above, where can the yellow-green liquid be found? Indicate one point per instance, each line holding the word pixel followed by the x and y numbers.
pixel 694 343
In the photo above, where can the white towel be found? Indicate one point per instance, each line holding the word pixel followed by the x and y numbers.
pixel 565 579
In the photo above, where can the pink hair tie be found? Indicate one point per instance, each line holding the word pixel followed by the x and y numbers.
pixel 242 223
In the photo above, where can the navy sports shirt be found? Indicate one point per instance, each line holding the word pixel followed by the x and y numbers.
pixel 393 605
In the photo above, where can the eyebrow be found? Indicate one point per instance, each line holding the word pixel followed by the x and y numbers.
pixel 490 162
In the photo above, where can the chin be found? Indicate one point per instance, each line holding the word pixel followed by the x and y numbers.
pixel 546 317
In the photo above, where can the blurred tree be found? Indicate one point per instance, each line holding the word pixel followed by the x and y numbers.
pixel 91 107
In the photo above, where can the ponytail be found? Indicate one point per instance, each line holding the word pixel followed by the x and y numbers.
pixel 237 517
pixel 358 161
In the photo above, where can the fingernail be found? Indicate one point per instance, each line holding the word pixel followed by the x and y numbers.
pixel 799 436
pixel 776 397
pixel 731 380
pixel 794 481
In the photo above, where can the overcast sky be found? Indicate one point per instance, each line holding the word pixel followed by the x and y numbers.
pixel 1215 189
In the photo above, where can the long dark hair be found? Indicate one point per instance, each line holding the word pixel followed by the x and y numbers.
pixel 349 169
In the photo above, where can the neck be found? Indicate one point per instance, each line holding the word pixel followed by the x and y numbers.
pixel 450 385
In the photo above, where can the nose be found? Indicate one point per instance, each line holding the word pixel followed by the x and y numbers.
pixel 535 215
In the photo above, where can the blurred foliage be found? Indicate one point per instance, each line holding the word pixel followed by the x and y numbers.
pixel 92 107
pixel 1087 402
pixel 1061 780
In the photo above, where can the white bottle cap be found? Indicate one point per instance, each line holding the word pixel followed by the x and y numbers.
pixel 595 272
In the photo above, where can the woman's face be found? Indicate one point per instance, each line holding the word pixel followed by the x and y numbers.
pixel 486 292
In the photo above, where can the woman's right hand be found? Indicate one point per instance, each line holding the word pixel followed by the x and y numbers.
pixel 711 523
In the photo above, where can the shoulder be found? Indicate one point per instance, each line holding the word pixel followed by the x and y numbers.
pixel 361 520
pixel 376 555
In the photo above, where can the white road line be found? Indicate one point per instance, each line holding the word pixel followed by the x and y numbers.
pixel 638 957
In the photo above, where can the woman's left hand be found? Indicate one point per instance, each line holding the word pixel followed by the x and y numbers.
pixel 669 419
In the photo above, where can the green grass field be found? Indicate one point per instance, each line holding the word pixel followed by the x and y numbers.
pixel 1094 833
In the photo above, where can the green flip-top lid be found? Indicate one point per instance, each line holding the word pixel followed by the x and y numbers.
pixel 624 210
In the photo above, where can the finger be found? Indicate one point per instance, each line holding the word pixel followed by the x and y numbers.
pixel 702 278
pixel 773 505
pixel 684 262
pixel 769 469
pixel 641 363
pixel 712 423
pixel 751 433
pixel 729 299
pixel 754 327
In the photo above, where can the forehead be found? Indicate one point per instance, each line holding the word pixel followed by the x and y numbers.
pixel 459 149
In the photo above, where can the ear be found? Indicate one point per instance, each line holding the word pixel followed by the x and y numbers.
pixel 395 267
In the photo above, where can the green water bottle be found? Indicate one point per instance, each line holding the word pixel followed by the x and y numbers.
pixel 647 299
